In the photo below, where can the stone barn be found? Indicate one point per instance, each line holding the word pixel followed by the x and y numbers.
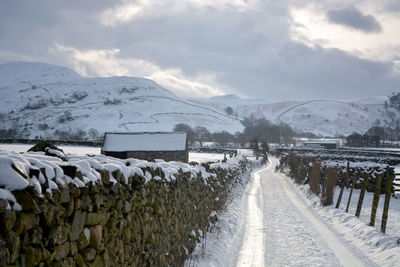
pixel 148 146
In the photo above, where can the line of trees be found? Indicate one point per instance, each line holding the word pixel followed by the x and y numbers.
pixel 376 136
pixel 202 134
pixel 257 134
pixel 363 140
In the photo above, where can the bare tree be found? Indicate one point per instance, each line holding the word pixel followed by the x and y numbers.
pixel 202 134
pixel 222 138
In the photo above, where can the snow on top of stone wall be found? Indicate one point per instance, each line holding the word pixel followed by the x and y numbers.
pixel 10 178
pixel 45 173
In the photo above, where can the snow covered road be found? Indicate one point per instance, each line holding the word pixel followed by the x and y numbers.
pixel 278 228
pixel 281 230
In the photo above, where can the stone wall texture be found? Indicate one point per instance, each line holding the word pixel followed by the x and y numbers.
pixel 139 223
pixel 180 155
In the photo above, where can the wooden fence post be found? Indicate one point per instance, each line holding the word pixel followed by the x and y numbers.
pixel 362 194
pixel 348 174
pixel 323 182
pixel 351 192
pixel 385 214
pixel 341 193
pixel 376 199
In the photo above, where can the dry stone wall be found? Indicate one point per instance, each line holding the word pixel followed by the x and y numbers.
pixel 150 218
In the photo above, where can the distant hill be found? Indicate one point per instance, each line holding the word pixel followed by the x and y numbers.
pixel 321 117
pixel 39 99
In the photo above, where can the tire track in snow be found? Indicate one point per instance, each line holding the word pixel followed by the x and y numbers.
pixel 252 250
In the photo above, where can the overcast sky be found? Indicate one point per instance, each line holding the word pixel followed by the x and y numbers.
pixel 277 50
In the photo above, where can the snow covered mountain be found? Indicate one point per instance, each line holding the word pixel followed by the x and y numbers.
pixel 39 99
pixel 321 117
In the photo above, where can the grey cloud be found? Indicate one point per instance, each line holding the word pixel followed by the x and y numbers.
pixel 270 65
pixel 392 6
pixel 353 18
pixel 300 72
pixel 203 41
pixel 30 27
pixel 250 51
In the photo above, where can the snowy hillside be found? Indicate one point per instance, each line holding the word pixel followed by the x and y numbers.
pixel 50 101
pixel 321 117
pixel 39 99
pixel 335 118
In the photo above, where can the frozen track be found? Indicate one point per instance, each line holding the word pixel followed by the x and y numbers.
pixel 251 252
pixel 281 230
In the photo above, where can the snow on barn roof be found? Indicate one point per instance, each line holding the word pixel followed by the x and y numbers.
pixel 159 141
pixel 321 142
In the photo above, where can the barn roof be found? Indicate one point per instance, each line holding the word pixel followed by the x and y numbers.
pixel 157 141
pixel 321 142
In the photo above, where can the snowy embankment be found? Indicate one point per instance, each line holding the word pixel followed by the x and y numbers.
pixel 220 246
pixel 382 249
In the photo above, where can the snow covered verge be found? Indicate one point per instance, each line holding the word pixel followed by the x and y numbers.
pixel 382 249
pixel 220 245
pixel 102 210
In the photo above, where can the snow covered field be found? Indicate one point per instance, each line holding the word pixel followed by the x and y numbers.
pixel 273 222
pixel 386 149
pixel 83 150
pixel 204 157
pixel 80 150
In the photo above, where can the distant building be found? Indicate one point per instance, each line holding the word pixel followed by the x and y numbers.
pixel 147 146
pixel 320 145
